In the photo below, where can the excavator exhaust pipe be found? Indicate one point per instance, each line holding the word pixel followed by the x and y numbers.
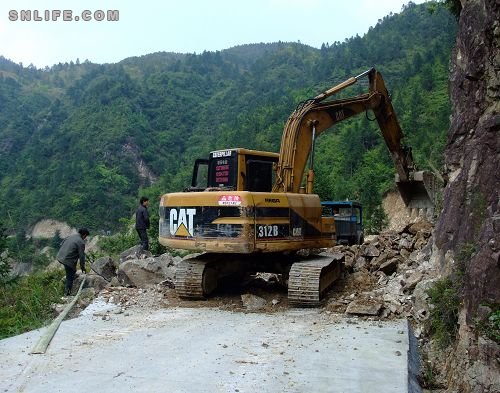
pixel 419 193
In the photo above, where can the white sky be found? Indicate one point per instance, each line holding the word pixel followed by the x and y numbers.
pixel 185 26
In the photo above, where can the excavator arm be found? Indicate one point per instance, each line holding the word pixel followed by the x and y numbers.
pixel 316 115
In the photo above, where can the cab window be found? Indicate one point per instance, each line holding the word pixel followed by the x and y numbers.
pixel 259 176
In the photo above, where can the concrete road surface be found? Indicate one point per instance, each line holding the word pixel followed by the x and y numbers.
pixel 209 350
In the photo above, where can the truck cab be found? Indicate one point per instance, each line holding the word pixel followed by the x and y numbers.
pixel 348 220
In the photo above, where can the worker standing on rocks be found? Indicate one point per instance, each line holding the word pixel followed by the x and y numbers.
pixel 142 222
pixel 72 250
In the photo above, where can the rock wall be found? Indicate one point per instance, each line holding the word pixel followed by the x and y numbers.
pixel 469 226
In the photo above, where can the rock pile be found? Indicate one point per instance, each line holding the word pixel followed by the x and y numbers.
pixel 134 268
pixel 388 275
pixel 135 279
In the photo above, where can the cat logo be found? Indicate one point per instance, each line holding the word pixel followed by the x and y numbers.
pixel 181 222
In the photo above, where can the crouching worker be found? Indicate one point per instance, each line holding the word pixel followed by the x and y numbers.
pixel 72 250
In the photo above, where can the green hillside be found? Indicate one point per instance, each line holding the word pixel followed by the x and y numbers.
pixel 79 142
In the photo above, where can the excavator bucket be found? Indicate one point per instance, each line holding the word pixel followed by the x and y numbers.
pixel 420 192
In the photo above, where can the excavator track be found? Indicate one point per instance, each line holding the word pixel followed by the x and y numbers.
pixel 309 280
pixel 195 278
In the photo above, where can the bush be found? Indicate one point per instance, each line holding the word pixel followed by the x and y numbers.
pixel 376 222
pixel 4 263
pixel 443 319
pixel 116 244
pixel 154 244
pixel 121 241
pixel 491 327
pixel 26 251
pixel 4 271
pixel 25 304
pixel 446 297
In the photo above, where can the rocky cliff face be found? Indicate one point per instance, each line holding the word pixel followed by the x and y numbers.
pixel 469 227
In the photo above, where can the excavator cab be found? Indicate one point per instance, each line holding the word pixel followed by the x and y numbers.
pixel 235 170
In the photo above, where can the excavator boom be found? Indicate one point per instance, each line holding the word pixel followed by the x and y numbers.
pixel 315 116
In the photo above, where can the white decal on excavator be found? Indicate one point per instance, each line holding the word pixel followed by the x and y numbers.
pixel 224 153
pixel 181 222
pixel 267 231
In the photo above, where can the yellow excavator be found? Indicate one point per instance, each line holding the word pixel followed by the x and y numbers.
pixel 249 211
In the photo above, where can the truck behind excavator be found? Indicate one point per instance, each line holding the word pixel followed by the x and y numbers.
pixel 250 211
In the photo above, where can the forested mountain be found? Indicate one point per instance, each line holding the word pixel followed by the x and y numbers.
pixel 79 142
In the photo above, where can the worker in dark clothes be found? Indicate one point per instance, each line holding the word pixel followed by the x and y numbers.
pixel 72 250
pixel 142 222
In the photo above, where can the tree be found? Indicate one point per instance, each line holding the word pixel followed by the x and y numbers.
pixel 87 136
pixel 56 240
pixel 4 263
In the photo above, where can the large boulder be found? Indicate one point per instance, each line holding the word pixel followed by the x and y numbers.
pixel 421 225
pixel 143 273
pixel 132 253
pixel 92 281
pixel 390 266
pixel 412 281
pixel 253 302
pixel 104 267
pixel 420 297
pixel 20 268
pixel 365 307
pixel 369 250
pixel 383 257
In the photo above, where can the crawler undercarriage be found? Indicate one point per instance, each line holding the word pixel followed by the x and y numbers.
pixel 308 277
